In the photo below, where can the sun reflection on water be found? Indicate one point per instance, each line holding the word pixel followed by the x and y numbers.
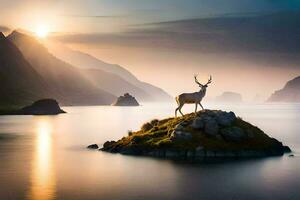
pixel 43 186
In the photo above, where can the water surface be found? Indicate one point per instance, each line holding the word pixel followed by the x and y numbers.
pixel 44 158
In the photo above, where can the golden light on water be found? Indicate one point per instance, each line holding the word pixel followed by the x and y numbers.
pixel 43 186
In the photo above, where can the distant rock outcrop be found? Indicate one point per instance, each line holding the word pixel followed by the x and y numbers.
pixel 212 134
pixel 42 107
pixel 289 93
pixel 126 100
pixel 229 97
pixel 93 146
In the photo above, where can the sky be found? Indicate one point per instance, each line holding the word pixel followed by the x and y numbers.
pixel 110 15
pixel 166 42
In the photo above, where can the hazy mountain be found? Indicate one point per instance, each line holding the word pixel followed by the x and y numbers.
pixel 114 84
pixel 289 93
pixel 230 97
pixel 71 87
pixel 20 83
pixel 86 61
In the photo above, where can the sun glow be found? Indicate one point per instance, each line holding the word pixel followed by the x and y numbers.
pixel 42 31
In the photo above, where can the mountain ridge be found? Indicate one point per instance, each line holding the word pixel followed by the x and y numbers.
pixel 15 90
pixel 70 86
pixel 289 93
pixel 87 61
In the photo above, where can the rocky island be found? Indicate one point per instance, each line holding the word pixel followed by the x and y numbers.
pixel 126 100
pixel 42 107
pixel 211 134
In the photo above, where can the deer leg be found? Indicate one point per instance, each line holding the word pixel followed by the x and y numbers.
pixel 201 106
pixel 196 105
pixel 179 108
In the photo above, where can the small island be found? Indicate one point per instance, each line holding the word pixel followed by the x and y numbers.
pixel 126 100
pixel 42 107
pixel 211 134
pixel 39 107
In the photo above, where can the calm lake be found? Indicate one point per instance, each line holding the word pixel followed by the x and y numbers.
pixel 44 158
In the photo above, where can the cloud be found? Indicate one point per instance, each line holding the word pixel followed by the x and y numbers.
pixel 277 32
pixel 96 16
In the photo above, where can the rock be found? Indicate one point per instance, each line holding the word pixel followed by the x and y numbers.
pixel 234 134
pixel 108 144
pixel 220 154
pixel 126 100
pixel 147 126
pixel 190 154
pixel 199 148
pixel 198 123
pixel 184 123
pixel 250 154
pixel 250 133
pixel 42 107
pixel 229 154
pixel 211 127
pixel 171 154
pixel 159 153
pixel 219 137
pixel 286 149
pixel 210 154
pixel 93 146
pixel 129 151
pixel 181 135
pixel 225 118
pixel 179 127
pixel 154 122
pixel 200 154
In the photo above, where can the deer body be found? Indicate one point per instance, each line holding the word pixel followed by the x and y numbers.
pixel 192 98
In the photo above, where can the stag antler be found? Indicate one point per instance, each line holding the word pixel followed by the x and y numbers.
pixel 209 80
pixel 195 76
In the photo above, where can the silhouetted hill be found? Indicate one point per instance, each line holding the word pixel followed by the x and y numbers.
pixel 70 85
pixel 114 84
pixel 143 91
pixel 20 83
pixel 42 107
pixel 229 97
pixel 290 92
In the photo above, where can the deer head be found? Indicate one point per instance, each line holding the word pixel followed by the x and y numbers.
pixel 201 85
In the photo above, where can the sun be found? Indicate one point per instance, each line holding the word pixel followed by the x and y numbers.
pixel 42 31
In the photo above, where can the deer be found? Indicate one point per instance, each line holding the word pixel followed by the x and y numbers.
pixel 192 98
